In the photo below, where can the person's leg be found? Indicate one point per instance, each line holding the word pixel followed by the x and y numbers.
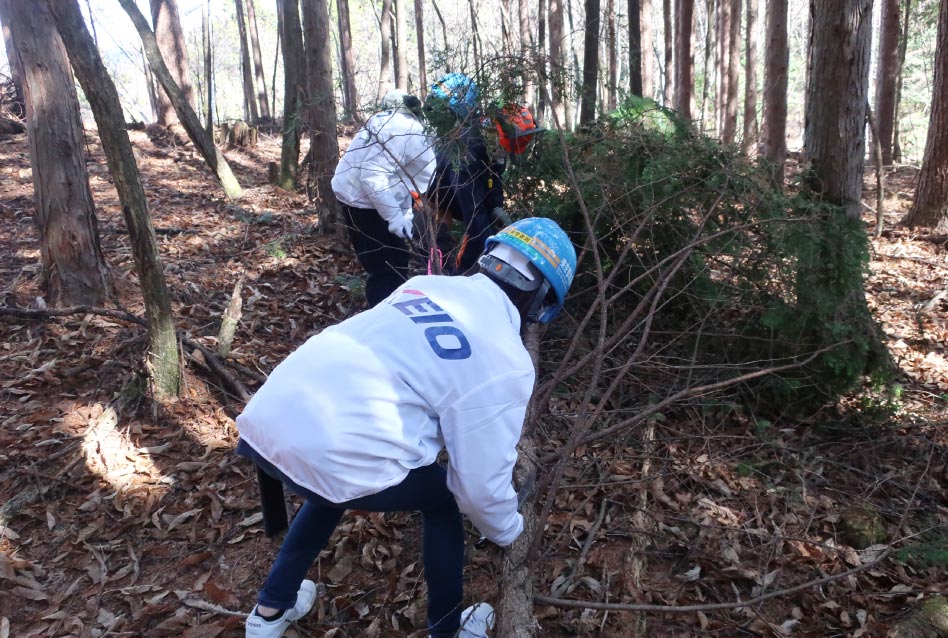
pixel 309 532
pixel 384 256
pixel 425 489
pixel 477 228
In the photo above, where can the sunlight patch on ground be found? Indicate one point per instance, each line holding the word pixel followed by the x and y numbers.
pixel 110 453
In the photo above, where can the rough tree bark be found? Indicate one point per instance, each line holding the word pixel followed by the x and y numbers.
pixel 250 98
pixel 612 55
pixel 192 125
pixel 886 76
pixel 635 48
pixel 684 65
pixel 349 89
pixel 558 71
pixel 773 135
pixel 668 90
pixel 646 43
pixel 321 110
pixel 420 35
pixel 401 44
pixel 526 53
pixel 11 57
pixel 834 140
pixel 515 606
pixel 74 268
pixel 587 114
pixel 540 49
pixel 729 131
pixel 261 81
pixel 162 359
pixel 294 77
pixel 723 19
pixel 174 52
pixel 930 207
pixel 903 45
pixel 749 139
pixel 385 46
pixel 208 69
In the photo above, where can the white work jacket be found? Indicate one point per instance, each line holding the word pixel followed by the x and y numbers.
pixel 391 156
pixel 438 364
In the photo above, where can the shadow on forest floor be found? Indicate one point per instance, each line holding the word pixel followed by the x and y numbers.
pixel 122 519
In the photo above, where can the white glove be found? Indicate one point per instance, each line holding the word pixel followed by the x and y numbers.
pixel 500 216
pixel 401 226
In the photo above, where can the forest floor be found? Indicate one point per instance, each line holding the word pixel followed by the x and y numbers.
pixel 120 518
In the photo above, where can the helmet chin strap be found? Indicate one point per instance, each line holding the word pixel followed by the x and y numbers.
pixel 538 303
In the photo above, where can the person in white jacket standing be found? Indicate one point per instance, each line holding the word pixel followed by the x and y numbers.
pixel 356 417
pixel 390 158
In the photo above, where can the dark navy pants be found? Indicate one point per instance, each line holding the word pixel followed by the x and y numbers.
pixel 424 490
pixel 384 256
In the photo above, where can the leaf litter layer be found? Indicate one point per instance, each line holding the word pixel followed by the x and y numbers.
pixel 124 519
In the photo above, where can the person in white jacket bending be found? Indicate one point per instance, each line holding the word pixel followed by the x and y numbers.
pixel 356 417
pixel 390 158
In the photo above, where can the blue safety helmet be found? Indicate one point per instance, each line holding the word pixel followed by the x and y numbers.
pixel 458 91
pixel 531 245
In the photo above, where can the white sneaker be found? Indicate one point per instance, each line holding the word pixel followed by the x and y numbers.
pixel 476 621
pixel 258 627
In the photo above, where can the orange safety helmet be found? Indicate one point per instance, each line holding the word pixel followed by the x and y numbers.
pixel 515 128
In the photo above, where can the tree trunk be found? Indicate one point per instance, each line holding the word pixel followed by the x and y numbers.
pixel 151 86
pixel 74 268
pixel 385 44
pixel 277 55
pixel 886 76
pixel 573 71
pixel 635 48
pixel 612 87
pixel 732 68
pixel 294 77
pixel 749 139
pixel 420 34
pixel 475 37
pixel 192 125
pixel 834 142
pixel 668 91
pixel 723 33
pixel 349 89
pixel 646 43
pixel 321 109
pixel 773 136
pixel 174 52
pixel 684 66
pixel 208 69
pixel 162 361
pixel 257 61
pixel 515 604
pixel 590 64
pixel 401 44
pixel 15 74
pixel 558 73
pixel 706 71
pixel 930 207
pixel 903 45
pixel 250 98
pixel 527 53
pixel 542 94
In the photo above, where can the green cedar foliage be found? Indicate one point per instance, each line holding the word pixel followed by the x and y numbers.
pixel 767 278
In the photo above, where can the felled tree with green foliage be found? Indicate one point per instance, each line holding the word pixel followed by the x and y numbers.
pixel 699 284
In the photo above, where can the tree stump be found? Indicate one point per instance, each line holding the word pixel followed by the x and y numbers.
pixel 928 620
pixel 861 527
pixel 240 134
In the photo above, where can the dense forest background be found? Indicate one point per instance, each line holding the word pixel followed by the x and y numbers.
pixel 121 52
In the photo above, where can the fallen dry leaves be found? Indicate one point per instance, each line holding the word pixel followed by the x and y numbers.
pixel 122 520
